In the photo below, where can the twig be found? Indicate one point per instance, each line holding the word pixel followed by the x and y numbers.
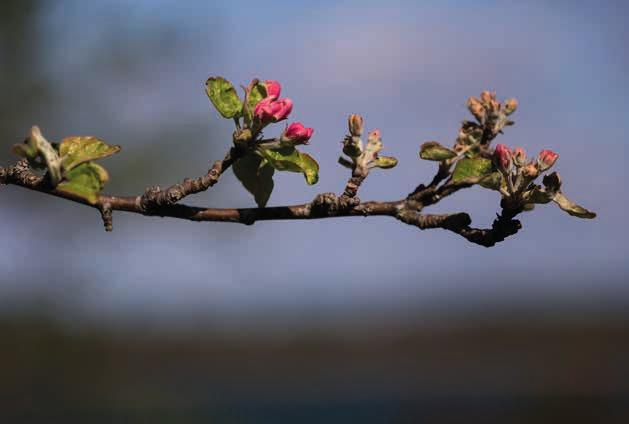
pixel 326 205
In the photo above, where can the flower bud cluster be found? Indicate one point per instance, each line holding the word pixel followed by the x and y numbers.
pixel 516 170
pixel 273 109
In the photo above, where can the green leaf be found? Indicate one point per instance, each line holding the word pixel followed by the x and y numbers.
pixel 256 176
pixel 432 150
pixel 346 163
pixel 290 159
pixel 224 97
pixel 77 150
pixel 85 181
pixel 257 92
pixel 493 181
pixel 472 168
pixel 572 208
pixel 385 162
pixel 539 195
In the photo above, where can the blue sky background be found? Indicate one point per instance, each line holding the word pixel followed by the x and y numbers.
pixel 132 73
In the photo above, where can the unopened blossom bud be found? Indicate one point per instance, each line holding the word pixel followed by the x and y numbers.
pixel 487 96
pixel 546 159
pixel 273 89
pixel 476 108
pixel 510 106
pixel 296 133
pixel 374 135
pixel 356 125
pixel 502 157
pixel 268 110
pixel 374 142
pixel 530 171
pixel 519 157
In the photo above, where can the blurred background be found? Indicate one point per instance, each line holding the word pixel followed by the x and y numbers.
pixel 344 320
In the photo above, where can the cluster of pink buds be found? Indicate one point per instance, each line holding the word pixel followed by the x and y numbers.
pixel 505 158
pixel 273 109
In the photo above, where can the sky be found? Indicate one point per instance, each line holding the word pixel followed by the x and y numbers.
pixel 132 73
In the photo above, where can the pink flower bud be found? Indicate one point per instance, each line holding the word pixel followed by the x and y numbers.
pixel 296 133
pixel 268 110
pixel 510 106
pixel 375 134
pixel 356 125
pixel 476 108
pixel 487 96
pixel 530 171
pixel 283 109
pixel 502 156
pixel 273 89
pixel 546 159
pixel 519 156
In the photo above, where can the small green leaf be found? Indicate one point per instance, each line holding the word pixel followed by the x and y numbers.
pixel 290 159
pixel 257 92
pixel 77 150
pixel 493 181
pixel 310 168
pixel 256 176
pixel 432 150
pixel 85 181
pixel 346 163
pixel 572 208
pixel 385 162
pixel 472 168
pixel 224 97
pixel 352 146
pixel 538 195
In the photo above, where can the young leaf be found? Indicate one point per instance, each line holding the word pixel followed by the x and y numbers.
pixel 77 150
pixel 346 163
pixel 310 168
pixel 290 159
pixel 85 181
pixel 385 162
pixel 493 181
pixel 224 97
pixel 257 92
pixel 255 176
pixel 40 154
pixel 572 208
pixel 472 168
pixel 538 195
pixel 432 150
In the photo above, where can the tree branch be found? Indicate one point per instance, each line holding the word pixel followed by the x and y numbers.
pixel 154 197
pixel 326 205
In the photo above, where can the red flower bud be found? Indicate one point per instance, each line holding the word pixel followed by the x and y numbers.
pixel 519 156
pixel 273 89
pixel 546 159
pixel 268 110
pixel 502 156
pixel 296 133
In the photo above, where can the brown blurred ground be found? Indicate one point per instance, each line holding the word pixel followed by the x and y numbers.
pixel 503 372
